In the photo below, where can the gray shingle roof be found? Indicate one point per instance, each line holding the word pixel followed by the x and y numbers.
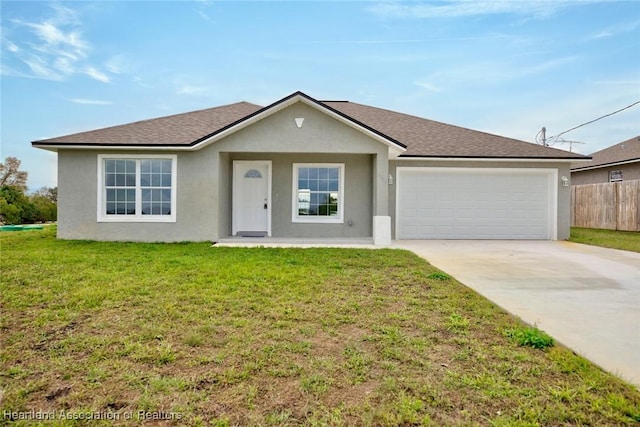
pixel 422 137
pixel 428 138
pixel 625 151
pixel 179 129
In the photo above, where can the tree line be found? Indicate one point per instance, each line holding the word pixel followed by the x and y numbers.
pixel 19 207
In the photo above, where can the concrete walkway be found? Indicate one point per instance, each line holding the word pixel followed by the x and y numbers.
pixel 586 297
pixel 289 242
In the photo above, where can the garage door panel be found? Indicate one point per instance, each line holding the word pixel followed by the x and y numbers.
pixel 473 204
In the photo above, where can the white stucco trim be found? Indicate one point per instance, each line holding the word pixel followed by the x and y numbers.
pixel 381 230
pixel 101 194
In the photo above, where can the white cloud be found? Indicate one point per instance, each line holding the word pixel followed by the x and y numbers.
pixel 549 65
pixel 12 47
pixel 202 6
pixel 631 83
pixel 602 35
pixel 40 68
pixel 458 8
pixel 620 28
pixel 428 86
pixel 89 101
pixel 51 35
pixel 193 90
pixel 96 74
pixel 118 64
pixel 141 82
pixel 204 16
pixel 64 65
pixel 51 49
pixel 489 72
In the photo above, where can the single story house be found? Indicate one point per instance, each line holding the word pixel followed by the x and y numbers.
pixel 620 162
pixel 304 168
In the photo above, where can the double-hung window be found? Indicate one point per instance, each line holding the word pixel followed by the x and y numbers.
pixel 137 188
pixel 318 192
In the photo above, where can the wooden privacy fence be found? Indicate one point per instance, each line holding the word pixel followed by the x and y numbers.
pixel 609 205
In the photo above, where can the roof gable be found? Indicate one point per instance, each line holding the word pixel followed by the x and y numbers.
pixel 395 147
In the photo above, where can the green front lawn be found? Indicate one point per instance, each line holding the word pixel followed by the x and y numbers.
pixel 625 240
pixel 228 336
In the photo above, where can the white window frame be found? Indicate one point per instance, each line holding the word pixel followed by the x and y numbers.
pixel 339 219
pixel 138 217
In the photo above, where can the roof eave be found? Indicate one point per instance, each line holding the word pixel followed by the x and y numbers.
pixel 416 157
pixel 605 165
pixel 55 146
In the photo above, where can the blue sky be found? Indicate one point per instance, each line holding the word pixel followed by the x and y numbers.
pixel 506 67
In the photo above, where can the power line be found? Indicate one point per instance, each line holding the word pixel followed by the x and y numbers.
pixel 594 120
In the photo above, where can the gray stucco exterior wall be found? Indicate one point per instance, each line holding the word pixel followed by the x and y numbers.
pixel 204 187
pixel 204 181
pixel 357 195
pixel 78 192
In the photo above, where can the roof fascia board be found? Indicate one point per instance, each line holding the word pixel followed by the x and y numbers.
pixel 56 147
pixel 605 165
pixel 494 159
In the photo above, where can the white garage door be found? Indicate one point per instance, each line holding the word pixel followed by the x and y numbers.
pixel 472 203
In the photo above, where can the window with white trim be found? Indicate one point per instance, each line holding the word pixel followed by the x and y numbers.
pixel 137 189
pixel 318 192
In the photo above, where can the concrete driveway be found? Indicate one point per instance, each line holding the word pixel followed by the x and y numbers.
pixel 586 297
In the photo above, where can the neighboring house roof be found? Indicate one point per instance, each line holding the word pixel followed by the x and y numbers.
pixel 625 152
pixel 407 135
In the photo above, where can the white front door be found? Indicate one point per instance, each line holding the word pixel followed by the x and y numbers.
pixel 251 198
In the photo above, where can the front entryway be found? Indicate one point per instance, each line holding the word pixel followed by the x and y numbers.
pixel 251 198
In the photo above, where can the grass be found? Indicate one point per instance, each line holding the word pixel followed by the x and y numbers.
pixel 235 336
pixel 625 240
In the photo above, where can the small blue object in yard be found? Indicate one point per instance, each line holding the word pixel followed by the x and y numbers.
pixel 20 227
